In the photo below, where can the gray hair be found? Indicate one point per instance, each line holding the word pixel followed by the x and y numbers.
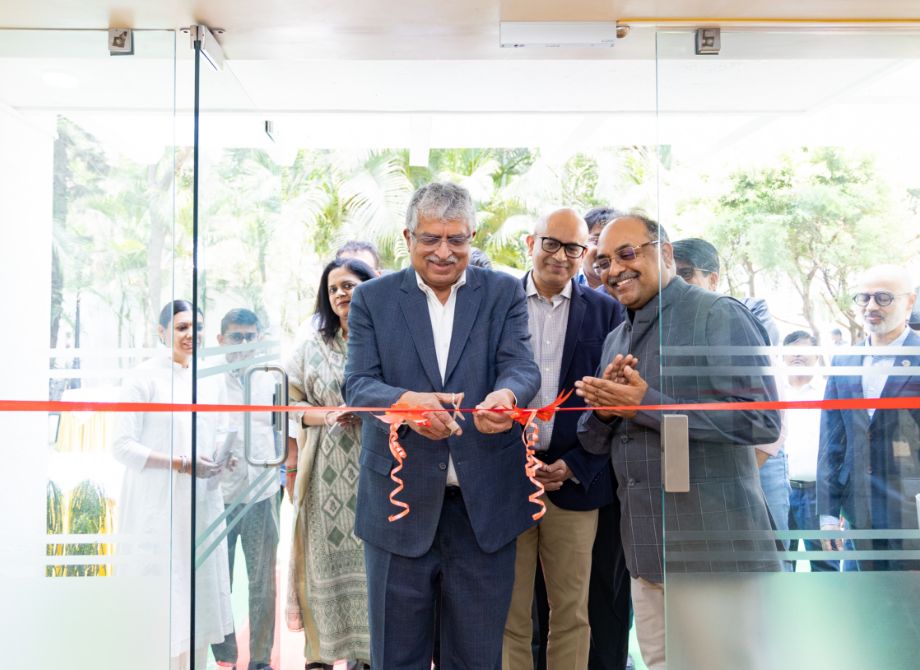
pixel 443 201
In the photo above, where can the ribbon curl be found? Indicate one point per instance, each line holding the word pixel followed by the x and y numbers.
pixel 530 435
pixel 396 416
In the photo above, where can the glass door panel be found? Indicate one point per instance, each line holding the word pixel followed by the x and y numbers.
pixel 238 597
pixel 89 242
pixel 791 186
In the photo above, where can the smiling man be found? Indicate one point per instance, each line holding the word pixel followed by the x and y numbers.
pixel 568 324
pixel 641 365
pixel 869 460
pixel 433 335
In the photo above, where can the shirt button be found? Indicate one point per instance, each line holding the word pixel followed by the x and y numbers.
pixel 442 466
pixel 631 482
pixel 624 439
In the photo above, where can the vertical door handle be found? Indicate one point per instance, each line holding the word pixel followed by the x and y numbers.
pixel 675 456
pixel 279 419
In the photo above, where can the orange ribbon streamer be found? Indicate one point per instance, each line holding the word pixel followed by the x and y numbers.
pixel 398 414
pixel 530 436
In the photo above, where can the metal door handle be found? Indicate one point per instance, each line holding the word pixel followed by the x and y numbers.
pixel 279 419
pixel 675 456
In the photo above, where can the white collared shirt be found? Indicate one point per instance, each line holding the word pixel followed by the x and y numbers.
pixel 803 430
pixel 442 328
pixel 874 382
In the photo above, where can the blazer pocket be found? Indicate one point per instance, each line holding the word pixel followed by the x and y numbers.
pixel 375 462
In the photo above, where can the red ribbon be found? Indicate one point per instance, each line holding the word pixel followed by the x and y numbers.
pixel 905 402
pixel 399 413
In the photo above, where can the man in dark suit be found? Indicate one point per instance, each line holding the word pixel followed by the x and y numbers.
pixel 869 460
pixel 644 363
pixel 431 335
pixel 568 324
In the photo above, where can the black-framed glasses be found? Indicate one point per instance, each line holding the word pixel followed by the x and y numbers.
pixel 572 250
pixel 434 241
pixel 236 337
pixel 627 253
pixel 686 272
pixel 882 298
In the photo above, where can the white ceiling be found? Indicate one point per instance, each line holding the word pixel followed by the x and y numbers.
pixel 362 73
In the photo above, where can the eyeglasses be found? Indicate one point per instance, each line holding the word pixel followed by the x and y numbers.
pixel 627 253
pixel 686 273
pixel 551 246
pixel 434 241
pixel 882 298
pixel 238 338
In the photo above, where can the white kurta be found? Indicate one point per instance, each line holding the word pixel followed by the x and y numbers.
pixel 153 514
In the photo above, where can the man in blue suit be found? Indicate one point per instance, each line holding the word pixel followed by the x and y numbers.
pixel 568 324
pixel 431 335
pixel 869 460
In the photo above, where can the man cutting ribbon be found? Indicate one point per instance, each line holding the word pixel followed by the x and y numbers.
pixel 431 336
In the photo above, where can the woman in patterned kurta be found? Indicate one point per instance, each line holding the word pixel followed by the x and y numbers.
pixel 327 596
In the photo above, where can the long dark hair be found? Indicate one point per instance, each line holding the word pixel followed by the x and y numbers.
pixel 327 321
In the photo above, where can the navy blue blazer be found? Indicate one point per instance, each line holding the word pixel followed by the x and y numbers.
pixel 592 315
pixel 869 469
pixel 391 350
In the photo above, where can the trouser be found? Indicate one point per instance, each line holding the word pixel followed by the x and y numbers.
pixel 609 609
pixel 648 605
pixel 803 515
pixel 258 533
pixel 562 541
pixel 774 480
pixel 472 588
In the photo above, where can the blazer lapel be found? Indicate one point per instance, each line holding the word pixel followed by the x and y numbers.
pixel 414 305
pixel 577 310
pixel 465 312
pixel 895 383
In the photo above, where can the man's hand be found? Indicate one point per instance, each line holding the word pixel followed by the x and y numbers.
pixel 604 392
pixel 836 544
pixel 441 423
pixel 614 370
pixel 552 475
pixel 494 422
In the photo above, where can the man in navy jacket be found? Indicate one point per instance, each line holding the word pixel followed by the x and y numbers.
pixel 869 460
pixel 432 335
pixel 568 323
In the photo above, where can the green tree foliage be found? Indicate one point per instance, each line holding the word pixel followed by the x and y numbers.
pixel 814 218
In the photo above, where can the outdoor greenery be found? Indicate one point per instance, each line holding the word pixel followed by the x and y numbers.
pixel 808 220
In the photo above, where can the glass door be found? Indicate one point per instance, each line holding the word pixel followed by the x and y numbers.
pixel 790 532
pixel 238 554
pixel 91 253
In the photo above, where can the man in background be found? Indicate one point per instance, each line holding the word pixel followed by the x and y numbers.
pixel 698 264
pixel 251 494
pixel 869 459
pixel 568 323
pixel 803 432
pixel 363 251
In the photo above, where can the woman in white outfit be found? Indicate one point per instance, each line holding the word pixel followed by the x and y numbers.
pixel 153 514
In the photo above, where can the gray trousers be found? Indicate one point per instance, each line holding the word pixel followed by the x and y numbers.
pixel 258 533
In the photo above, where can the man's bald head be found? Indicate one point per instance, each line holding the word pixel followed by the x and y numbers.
pixel 557 247
pixel 895 276
pixel 565 215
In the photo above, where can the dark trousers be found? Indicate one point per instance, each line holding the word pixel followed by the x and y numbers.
pixel 608 594
pixel 258 533
pixel 473 589
pixel 803 515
